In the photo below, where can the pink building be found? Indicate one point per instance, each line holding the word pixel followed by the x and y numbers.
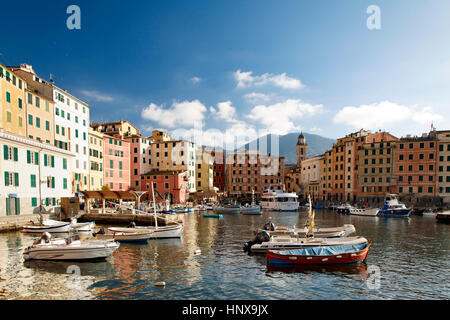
pixel 166 183
pixel 140 158
pixel 116 163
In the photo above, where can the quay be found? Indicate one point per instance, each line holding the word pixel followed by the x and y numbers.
pixel 14 223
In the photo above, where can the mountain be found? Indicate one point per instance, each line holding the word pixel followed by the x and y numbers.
pixel 287 145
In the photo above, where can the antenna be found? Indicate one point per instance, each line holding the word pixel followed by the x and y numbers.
pixel 51 78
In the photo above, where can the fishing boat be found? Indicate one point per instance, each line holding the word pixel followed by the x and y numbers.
pixel 287 243
pixel 277 200
pixel 345 254
pixel 47 225
pixel 210 215
pixel 251 209
pixel 393 208
pixel 46 248
pixel 137 236
pixel 158 232
pixel 364 211
pixel 228 208
pixel 333 232
pixel 81 226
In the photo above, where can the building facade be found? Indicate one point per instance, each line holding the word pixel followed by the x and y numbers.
pixel 443 172
pixel 34 174
pixel 96 163
pixel 116 163
pixel 168 185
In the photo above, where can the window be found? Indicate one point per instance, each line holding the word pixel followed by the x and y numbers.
pixel 30 119
pixel 8 97
pixel 30 98
pixel 38 122
pixel 19 102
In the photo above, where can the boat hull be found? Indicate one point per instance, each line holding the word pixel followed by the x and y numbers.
pixel 395 213
pixel 279 206
pixel 251 210
pixel 279 258
pixel 70 253
pixel 364 212
pixel 82 226
pixel 52 229
pixel 155 233
pixel 227 210
pixel 219 216
pixel 302 243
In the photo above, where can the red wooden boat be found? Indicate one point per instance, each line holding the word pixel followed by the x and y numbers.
pixel 325 255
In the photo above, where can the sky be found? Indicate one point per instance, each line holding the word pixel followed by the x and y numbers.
pixel 227 70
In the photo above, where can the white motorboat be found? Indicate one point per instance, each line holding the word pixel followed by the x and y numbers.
pixel 46 248
pixel 82 226
pixel 47 225
pixel 364 211
pixel 277 200
pixel 286 243
pixel 345 208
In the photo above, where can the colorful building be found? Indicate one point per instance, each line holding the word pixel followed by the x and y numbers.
pixel 12 102
pixel 168 185
pixel 116 163
pixel 443 172
pixel 140 159
pixel 96 163
pixel 218 169
pixel 34 174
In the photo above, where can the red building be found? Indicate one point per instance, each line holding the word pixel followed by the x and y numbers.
pixel 219 170
pixel 169 184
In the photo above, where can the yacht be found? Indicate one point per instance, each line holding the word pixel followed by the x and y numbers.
pixel 393 208
pixel 278 200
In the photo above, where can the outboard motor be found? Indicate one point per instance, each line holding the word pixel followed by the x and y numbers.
pixel 101 231
pixel 269 226
pixel 260 237
pixel 132 225
pixel 45 238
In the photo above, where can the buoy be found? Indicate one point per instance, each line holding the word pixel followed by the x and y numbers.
pixel 198 251
pixel 160 284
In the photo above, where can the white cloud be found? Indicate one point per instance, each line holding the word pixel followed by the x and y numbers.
pixel 196 79
pixel 185 113
pixel 386 115
pixel 246 79
pixel 255 97
pixel 225 111
pixel 279 117
pixel 97 96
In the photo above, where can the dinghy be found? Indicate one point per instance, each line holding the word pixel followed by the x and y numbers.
pixel 137 236
pixel 47 225
pixel 205 215
pixel 333 232
pixel 46 248
pixel 346 254
pixel 82 226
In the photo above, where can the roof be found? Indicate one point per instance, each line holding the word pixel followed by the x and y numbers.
pixel 124 195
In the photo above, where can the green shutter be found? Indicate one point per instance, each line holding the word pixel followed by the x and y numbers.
pixel 64 163
pixel 28 156
pixel 64 183
pixel 46 201
pixel 36 158
pixel 33 180
pixel 33 202
pixel 16 156
pixel 16 179
pixel 17 206
pixel 6 179
pixel 53 161
pixel 53 182
pixel 8 206
pixel 5 152
pixel 45 160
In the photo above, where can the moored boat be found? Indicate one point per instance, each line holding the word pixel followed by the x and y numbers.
pixel 208 215
pixel 229 208
pixel 81 226
pixel 443 217
pixel 46 248
pixel 393 208
pixel 344 209
pixel 364 211
pixel 47 225
pixel 287 243
pixel 323 255
pixel 277 200
pixel 138 236
pixel 159 232
pixel 333 232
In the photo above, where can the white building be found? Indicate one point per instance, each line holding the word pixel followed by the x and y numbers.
pixel 72 114
pixel 33 173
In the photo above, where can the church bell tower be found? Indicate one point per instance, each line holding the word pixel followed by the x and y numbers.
pixel 301 149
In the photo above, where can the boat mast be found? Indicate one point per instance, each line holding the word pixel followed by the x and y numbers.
pixel 154 207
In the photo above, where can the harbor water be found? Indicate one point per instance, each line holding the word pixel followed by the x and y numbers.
pixel 409 259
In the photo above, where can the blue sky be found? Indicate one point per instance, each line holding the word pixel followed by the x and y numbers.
pixel 243 67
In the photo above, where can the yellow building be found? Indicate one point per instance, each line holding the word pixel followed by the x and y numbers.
pixel 204 171
pixel 96 180
pixel 40 118
pixel 12 104
pixel 310 176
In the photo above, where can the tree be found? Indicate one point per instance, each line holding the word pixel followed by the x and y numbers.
pixel 105 188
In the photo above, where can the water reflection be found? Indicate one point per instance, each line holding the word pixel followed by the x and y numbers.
pixel 412 255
